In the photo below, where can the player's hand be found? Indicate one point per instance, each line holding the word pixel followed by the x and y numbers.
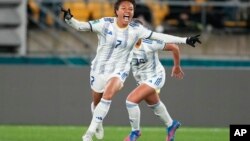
pixel 66 14
pixel 177 72
pixel 192 40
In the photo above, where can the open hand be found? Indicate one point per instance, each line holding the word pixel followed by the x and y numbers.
pixel 177 72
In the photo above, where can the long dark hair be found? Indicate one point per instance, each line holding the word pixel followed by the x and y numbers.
pixel 118 2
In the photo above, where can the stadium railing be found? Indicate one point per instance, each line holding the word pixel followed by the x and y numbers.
pixel 230 14
pixel 84 10
pixel 199 11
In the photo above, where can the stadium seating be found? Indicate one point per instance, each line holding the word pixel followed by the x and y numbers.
pixel 108 9
pixel 12 26
pixel 9 17
pixel 9 2
pixel 158 10
pixel 197 8
pixel 240 24
pixel 78 8
pixel 95 9
pixel 34 9
pixel 90 10
pixel 9 39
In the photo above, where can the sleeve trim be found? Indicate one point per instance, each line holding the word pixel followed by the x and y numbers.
pixel 91 29
pixel 150 35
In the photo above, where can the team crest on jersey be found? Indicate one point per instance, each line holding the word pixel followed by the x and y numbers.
pixel 108 31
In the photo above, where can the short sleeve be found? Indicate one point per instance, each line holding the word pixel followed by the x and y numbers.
pixel 96 25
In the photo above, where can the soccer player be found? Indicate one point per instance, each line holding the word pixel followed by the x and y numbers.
pixel 150 75
pixel 109 69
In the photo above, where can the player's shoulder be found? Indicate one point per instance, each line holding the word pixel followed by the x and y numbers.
pixel 135 23
pixel 103 20
pixel 109 19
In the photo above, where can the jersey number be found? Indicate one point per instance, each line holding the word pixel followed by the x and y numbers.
pixel 119 42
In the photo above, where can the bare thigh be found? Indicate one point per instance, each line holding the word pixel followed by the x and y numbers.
pixel 112 87
pixel 142 92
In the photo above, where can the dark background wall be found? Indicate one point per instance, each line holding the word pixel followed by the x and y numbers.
pixel 60 95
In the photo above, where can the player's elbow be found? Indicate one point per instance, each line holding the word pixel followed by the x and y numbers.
pixel 172 47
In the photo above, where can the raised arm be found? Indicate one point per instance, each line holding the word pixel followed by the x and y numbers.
pixel 175 39
pixel 68 17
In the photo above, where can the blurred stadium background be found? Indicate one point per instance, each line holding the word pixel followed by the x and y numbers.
pixel 44 64
pixel 224 25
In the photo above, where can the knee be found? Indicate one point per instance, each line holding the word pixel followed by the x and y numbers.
pixel 130 104
pixel 108 95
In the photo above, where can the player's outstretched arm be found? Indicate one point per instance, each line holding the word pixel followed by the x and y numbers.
pixel 175 39
pixel 68 18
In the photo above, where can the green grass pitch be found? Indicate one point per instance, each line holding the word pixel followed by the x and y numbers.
pixel 74 133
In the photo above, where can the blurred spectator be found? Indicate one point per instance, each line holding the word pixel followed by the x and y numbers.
pixel 30 13
pixel 144 14
pixel 155 13
pixel 183 15
pixel 244 11
pixel 230 12
pixel 214 15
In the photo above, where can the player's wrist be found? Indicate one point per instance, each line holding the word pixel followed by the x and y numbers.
pixel 177 65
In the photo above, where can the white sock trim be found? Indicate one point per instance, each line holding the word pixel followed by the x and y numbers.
pixel 154 105
pixel 130 104
pixel 104 101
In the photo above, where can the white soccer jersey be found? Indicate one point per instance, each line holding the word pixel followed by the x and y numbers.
pixel 115 45
pixel 146 66
pixel 114 51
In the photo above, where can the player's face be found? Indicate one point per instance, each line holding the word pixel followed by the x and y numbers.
pixel 125 13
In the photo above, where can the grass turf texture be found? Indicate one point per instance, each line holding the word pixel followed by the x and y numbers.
pixel 74 133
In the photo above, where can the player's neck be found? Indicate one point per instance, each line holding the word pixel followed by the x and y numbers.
pixel 120 24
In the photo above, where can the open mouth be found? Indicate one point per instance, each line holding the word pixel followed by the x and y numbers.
pixel 126 18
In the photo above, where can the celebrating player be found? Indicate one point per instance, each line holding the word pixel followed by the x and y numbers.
pixel 110 68
pixel 150 74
